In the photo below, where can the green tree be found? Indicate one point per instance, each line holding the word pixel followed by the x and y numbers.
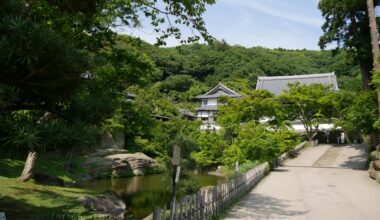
pixel 46 46
pixel 211 147
pixel 257 143
pixel 179 83
pixel 308 103
pixel 347 24
pixel 357 111
pixel 253 106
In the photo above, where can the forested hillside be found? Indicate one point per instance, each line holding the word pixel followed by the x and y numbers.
pixel 209 64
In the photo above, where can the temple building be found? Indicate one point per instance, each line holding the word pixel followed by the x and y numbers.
pixel 209 103
pixel 278 84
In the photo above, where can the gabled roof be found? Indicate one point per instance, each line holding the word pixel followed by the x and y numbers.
pixel 186 112
pixel 219 90
pixel 277 84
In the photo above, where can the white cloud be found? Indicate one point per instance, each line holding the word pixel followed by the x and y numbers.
pixel 291 15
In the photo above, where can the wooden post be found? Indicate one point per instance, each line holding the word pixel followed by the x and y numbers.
pixel 180 209
pixel 191 207
pixel 195 206
pixel 186 207
pixel 171 210
pixel 157 213
pixel 176 160
pixel 164 214
pixel 200 205
pixel 176 211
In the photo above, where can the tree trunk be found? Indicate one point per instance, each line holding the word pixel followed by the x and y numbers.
pixel 27 173
pixel 30 162
pixel 375 55
pixel 365 77
pixel 374 34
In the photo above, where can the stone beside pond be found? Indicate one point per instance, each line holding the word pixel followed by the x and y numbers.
pixel 119 163
pixel 112 160
pixel 107 206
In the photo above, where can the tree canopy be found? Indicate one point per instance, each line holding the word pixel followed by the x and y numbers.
pixel 347 24
pixel 308 103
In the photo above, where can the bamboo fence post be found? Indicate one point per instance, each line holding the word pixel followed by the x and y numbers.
pixel 175 210
pixel 186 207
pixel 164 212
pixel 200 205
pixel 180 209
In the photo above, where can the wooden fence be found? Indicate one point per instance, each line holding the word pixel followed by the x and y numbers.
pixel 211 201
pixel 286 155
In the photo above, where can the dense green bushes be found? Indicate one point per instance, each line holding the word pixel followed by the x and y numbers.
pixel 21 133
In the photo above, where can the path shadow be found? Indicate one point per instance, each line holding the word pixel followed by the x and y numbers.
pixel 280 169
pixel 258 206
pixel 358 161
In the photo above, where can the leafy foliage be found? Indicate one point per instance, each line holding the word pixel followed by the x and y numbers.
pixel 257 143
pixel 211 147
pixel 347 24
pixel 309 104
pixel 358 111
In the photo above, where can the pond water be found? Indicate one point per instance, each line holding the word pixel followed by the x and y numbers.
pixel 142 193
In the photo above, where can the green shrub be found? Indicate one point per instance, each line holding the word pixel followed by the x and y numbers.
pixel 231 155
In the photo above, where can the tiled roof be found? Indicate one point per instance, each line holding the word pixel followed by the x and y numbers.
pixel 219 90
pixel 277 84
pixel 186 112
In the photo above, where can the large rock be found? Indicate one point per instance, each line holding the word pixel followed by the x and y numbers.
pixel 375 155
pixel 371 171
pixel 376 164
pixel 108 206
pixel 121 165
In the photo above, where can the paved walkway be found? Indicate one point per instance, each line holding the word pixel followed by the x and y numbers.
pixel 323 183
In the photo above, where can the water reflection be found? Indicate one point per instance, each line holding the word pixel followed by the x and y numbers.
pixel 142 193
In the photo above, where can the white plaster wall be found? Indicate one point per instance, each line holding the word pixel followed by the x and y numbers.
pixel 203 114
pixel 212 102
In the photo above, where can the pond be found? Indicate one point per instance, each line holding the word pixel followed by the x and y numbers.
pixel 142 193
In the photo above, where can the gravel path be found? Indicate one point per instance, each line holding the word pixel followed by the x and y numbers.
pixel 324 182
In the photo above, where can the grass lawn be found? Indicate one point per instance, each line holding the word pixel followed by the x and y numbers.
pixel 48 163
pixel 32 201
pixel 29 200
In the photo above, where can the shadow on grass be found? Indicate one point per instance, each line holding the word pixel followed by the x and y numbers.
pixel 36 202
pixel 11 168
pixel 45 194
pixel 20 209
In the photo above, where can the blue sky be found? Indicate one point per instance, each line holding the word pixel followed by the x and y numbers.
pixel 290 24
